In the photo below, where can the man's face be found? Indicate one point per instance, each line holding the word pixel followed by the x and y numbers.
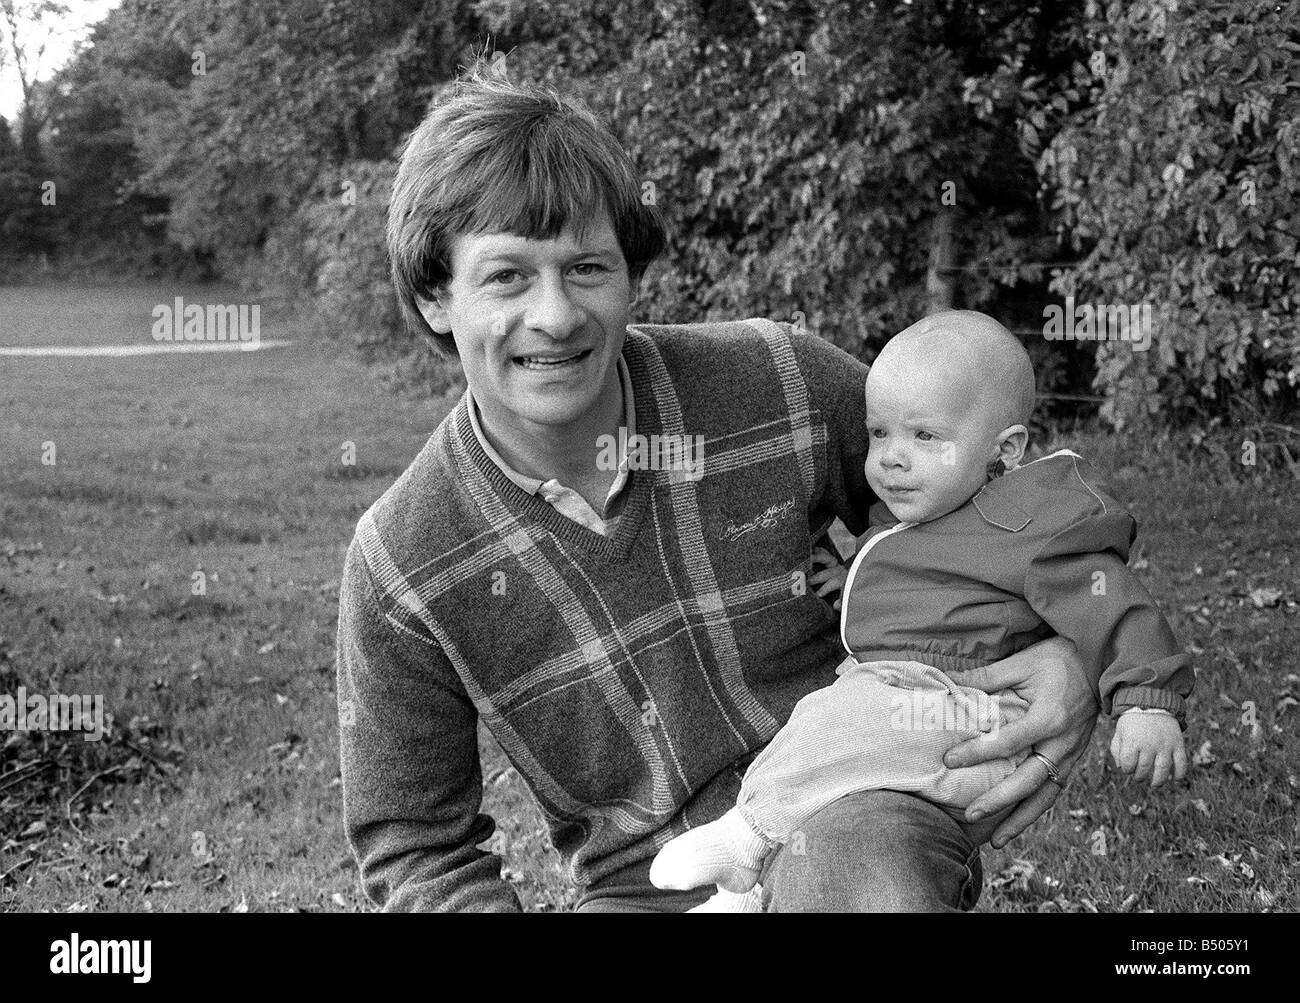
pixel 538 324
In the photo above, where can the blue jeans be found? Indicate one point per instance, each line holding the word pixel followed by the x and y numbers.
pixel 873 851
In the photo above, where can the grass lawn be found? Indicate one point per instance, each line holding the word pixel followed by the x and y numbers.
pixel 218 788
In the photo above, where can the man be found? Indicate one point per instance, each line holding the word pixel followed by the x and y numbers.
pixel 632 637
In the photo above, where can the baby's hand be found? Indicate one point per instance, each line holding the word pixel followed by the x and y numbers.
pixel 831 578
pixel 1151 745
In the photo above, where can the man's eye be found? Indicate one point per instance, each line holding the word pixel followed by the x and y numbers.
pixel 589 269
pixel 924 436
pixel 504 277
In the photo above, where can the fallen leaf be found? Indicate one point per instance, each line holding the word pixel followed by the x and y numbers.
pixel 1264 598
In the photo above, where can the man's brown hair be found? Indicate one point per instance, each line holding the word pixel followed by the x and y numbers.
pixel 497 156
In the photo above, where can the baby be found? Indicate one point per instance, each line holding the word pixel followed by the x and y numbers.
pixel 970 557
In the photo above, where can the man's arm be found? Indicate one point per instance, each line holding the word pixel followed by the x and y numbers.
pixel 1062 714
pixel 836 384
pixel 408 749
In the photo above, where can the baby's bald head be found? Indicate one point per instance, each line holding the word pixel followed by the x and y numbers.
pixel 982 362
pixel 946 401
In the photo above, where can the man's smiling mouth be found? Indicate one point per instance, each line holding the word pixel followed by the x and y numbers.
pixel 547 363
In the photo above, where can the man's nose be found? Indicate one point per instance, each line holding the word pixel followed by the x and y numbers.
pixel 552 309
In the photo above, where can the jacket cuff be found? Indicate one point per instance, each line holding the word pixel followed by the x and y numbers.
pixel 1149 698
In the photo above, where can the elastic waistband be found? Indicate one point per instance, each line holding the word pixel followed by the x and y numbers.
pixel 944 663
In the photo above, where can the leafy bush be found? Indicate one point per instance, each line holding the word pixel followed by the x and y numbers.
pixel 801 160
pixel 1178 178
pixel 331 252
pixel 845 166
pixel 801 163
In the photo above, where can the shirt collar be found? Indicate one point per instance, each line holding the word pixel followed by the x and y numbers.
pixel 532 484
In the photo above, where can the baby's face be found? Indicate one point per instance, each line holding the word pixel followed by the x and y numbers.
pixel 930 440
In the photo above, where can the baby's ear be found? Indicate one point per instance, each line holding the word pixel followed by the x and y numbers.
pixel 1012 443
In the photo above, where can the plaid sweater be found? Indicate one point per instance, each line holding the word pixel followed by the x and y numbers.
pixel 629 679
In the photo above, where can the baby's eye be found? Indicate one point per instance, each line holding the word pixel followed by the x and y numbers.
pixel 876 433
pixel 924 436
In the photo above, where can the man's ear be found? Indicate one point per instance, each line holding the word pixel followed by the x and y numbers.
pixel 435 312
pixel 1012 443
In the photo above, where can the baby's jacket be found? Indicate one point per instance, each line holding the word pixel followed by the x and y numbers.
pixel 1036 552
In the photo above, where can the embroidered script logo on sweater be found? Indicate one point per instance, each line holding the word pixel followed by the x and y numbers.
pixel 765 519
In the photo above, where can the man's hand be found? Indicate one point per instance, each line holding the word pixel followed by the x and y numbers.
pixel 1059 723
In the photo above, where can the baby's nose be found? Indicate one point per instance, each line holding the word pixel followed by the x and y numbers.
pixel 892 456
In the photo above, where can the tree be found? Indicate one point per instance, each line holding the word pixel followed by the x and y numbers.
pixel 1177 179
pixel 91 145
pixel 30 223
pixel 280 95
pixel 24 35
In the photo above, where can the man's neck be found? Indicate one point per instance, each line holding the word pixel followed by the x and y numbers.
pixel 565 452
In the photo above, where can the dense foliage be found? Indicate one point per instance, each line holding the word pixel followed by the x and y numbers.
pixel 843 165
pixel 1178 176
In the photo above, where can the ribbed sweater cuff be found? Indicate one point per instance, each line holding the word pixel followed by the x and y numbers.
pixel 1150 698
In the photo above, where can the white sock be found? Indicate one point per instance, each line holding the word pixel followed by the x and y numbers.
pixel 726 853
pixel 724 901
